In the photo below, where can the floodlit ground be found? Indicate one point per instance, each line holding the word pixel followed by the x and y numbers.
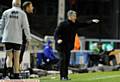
pixel 113 76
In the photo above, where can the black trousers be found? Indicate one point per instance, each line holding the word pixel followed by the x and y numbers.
pixel 23 46
pixel 64 63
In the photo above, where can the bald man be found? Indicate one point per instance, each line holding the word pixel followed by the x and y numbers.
pixel 14 20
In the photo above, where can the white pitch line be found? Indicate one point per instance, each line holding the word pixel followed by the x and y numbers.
pixel 104 77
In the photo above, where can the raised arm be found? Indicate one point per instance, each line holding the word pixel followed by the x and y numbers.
pixel 87 23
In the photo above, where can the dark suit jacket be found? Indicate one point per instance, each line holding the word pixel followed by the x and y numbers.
pixel 29 20
pixel 66 31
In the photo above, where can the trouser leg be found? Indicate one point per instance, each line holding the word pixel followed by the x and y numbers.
pixel 5 68
pixel 64 63
pixel 22 52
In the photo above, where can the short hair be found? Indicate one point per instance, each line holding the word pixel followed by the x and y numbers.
pixel 71 13
pixel 25 4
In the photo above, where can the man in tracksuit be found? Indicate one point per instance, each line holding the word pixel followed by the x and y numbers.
pixel 14 20
pixel 64 40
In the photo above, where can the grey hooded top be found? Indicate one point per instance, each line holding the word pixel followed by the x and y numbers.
pixel 13 21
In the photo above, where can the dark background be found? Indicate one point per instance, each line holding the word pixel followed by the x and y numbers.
pixel 44 19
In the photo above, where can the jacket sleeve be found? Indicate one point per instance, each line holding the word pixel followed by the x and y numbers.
pixel 58 32
pixel 84 24
pixel 26 28
pixel 3 22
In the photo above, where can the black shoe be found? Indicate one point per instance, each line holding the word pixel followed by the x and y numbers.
pixel 16 76
pixel 10 72
pixel 65 78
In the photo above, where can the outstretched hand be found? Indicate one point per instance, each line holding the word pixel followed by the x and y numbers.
pixel 95 20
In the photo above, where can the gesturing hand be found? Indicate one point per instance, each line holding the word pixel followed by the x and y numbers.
pixel 59 41
pixel 96 20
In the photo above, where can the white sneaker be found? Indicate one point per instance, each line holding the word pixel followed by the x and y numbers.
pixel 7 78
pixel 99 65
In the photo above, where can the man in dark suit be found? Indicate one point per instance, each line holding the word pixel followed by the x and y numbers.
pixel 64 40
pixel 28 8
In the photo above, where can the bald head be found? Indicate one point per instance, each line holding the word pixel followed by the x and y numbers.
pixel 16 3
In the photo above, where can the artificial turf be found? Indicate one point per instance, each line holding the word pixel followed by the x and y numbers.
pixel 113 76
